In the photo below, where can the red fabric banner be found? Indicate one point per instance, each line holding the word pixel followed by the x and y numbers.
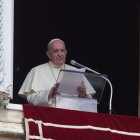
pixel 46 123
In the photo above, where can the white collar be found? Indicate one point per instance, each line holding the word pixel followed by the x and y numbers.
pixel 56 66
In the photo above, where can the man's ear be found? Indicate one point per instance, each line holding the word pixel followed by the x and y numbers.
pixel 66 51
pixel 47 53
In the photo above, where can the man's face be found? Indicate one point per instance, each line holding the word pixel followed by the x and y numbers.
pixel 57 53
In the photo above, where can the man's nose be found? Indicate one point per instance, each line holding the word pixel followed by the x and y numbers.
pixel 59 53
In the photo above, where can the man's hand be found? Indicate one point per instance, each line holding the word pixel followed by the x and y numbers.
pixel 81 90
pixel 53 90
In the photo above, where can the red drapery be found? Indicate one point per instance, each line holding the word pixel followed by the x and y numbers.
pixel 43 123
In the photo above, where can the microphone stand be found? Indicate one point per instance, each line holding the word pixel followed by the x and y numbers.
pixel 111 88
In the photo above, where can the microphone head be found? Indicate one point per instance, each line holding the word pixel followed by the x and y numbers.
pixel 73 62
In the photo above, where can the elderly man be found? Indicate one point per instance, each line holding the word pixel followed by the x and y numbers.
pixel 40 83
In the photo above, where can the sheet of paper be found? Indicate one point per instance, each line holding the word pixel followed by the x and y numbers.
pixel 70 82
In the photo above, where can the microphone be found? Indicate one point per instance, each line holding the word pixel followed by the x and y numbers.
pixel 73 62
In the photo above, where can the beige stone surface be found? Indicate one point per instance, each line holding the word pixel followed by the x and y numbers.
pixel 11 124
pixel 10 138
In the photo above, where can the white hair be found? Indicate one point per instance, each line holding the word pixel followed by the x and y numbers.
pixel 53 40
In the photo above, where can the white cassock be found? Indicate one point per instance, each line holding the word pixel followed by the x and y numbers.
pixel 42 78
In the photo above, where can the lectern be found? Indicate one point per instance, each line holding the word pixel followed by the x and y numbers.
pixel 67 96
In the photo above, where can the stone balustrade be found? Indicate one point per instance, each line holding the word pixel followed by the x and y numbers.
pixel 11 123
